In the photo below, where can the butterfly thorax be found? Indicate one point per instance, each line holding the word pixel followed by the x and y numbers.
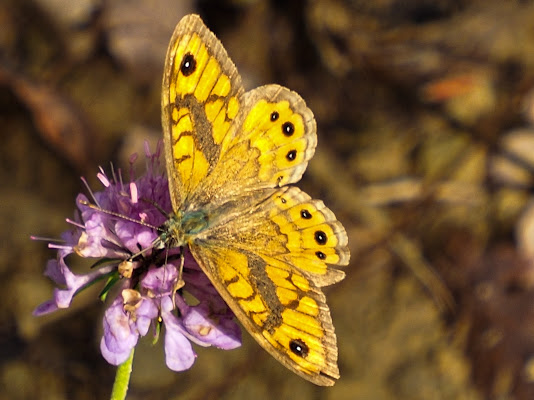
pixel 182 227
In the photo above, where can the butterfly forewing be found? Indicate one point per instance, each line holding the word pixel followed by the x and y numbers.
pixel 201 94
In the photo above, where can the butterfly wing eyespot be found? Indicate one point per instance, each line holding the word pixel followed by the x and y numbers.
pixel 288 129
pixel 188 64
pixel 298 347
pixel 267 247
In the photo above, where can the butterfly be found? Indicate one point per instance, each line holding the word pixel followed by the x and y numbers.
pixel 231 157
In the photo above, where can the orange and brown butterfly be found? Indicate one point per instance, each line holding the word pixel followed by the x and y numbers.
pixel 231 157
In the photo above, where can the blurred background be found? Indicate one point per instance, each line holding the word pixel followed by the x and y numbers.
pixel 425 115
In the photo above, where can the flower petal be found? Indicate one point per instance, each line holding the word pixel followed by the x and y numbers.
pixel 216 330
pixel 160 281
pixel 60 273
pixel 119 338
pixel 45 308
pixel 146 312
pixel 179 354
pixel 134 236
pixel 55 271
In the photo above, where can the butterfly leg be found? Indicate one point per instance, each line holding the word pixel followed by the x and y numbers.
pixel 180 283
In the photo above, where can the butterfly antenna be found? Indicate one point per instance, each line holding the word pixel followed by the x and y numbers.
pixel 157 206
pixel 118 215
pixel 126 218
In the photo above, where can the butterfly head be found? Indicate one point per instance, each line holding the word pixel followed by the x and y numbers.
pixel 181 227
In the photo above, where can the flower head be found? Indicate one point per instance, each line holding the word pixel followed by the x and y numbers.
pixel 118 232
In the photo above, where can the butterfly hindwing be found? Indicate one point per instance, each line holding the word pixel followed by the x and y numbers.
pixel 267 269
pixel 270 145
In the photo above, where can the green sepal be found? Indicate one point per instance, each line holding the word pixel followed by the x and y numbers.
pixel 112 279
pixel 158 331
pixel 104 261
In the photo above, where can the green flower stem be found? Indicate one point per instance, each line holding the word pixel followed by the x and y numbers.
pixel 122 379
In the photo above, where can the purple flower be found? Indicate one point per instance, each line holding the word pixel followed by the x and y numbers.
pixel 118 230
